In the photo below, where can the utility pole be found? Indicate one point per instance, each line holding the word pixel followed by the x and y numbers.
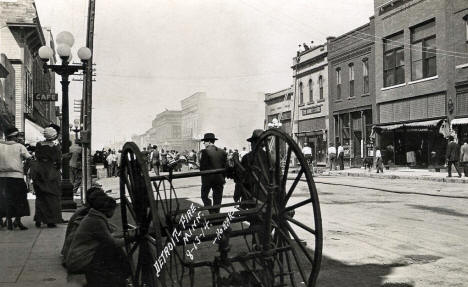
pixel 87 102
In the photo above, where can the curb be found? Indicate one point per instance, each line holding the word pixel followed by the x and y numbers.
pixel 392 176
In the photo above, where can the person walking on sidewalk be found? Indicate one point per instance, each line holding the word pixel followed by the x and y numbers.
pixel 212 157
pixel 378 160
pixel 155 159
pixel 307 151
pixel 13 189
pixel 110 161
pixel 46 180
pixel 75 166
pixel 332 156
pixel 464 156
pixel 453 156
pixel 340 152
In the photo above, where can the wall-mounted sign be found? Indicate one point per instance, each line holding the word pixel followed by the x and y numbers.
pixel 45 97
pixel 311 110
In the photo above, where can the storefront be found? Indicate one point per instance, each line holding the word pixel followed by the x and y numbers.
pixel 416 144
pixel 353 132
pixel 314 133
pixel 460 126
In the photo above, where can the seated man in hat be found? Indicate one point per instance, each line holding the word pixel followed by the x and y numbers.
pixel 212 157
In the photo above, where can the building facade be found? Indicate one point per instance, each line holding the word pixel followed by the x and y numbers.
pixel 310 114
pixel 352 92
pixel 7 94
pixel 191 127
pixel 165 131
pixel 21 35
pixel 416 77
pixel 278 105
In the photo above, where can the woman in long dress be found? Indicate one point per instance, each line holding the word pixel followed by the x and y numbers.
pixel 46 180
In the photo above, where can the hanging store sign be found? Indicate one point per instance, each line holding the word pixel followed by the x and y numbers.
pixel 43 97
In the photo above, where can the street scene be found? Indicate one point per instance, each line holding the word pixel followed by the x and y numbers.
pixel 233 143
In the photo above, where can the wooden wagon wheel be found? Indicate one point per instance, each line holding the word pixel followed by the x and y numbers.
pixel 300 264
pixel 138 213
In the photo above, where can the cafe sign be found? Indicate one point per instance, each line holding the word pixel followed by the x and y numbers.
pixel 43 97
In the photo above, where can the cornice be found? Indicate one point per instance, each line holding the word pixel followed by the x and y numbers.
pixel 335 59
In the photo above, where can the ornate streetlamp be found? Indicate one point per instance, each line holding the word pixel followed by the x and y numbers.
pixel 65 41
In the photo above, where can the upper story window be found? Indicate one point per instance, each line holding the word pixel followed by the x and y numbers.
pixel 311 91
pixel 394 60
pixel 288 97
pixel 365 76
pixel 351 79
pixel 301 94
pixel 338 83
pixel 466 27
pixel 423 51
pixel 321 87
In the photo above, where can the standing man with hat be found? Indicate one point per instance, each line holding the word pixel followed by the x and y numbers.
pixel 212 157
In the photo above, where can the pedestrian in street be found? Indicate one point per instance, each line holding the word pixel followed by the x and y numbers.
pixel 75 166
pixel 332 156
pixel 46 180
pixel 163 155
pixel 96 250
pixel 340 152
pixel 114 164
pixel 155 159
pixel 118 159
pixel 307 151
pixel 464 156
pixel 13 189
pixel 378 160
pixel 242 153
pixel 453 156
pixel 110 160
pixel 212 157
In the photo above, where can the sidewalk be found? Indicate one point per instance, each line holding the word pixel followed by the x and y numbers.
pixel 32 258
pixel 400 173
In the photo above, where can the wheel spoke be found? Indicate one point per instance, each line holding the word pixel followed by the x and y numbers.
pixel 295 255
pixel 286 168
pixel 302 225
pixel 298 241
pixel 293 186
pixel 297 205
pixel 277 161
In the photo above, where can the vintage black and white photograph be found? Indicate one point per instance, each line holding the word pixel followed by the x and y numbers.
pixel 224 143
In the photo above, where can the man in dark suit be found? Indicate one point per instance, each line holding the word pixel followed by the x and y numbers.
pixel 212 157
pixel 453 155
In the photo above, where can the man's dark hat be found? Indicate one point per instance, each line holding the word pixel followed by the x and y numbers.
pixel 11 131
pixel 255 135
pixel 55 127
pixel 208 137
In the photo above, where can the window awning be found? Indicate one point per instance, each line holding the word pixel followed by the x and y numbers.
pixel 420 124
pixel 461 121
pixel 32 132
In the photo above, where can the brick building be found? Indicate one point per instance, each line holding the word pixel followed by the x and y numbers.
pixel 7 94
pixel 417 81
pixel 310 115
pixel 278 105
pixel 21 35
pixel 352 92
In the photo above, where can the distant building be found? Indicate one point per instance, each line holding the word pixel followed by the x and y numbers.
pixel 279 105
pixel 165 131
pixel 231 120
pixel 352 92
pixel 310 114
pixel 421 77
pixel 21 35
pixel 7 94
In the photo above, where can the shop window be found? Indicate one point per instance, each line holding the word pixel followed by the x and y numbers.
pixel 301 94
pixel 311 91
pixel 423 51
pixel 321 87
pixel 394 60
pixel 365 76
pixel 338 83
pixel 351 80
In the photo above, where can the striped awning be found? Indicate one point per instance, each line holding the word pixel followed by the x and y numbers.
pixel 414 125
pixel 460 121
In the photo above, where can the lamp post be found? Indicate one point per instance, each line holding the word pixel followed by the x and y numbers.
pixel 65 41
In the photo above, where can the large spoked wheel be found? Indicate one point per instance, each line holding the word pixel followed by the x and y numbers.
pixel 293 197
pixel 142 238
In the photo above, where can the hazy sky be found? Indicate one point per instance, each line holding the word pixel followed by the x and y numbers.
pixel 150 54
